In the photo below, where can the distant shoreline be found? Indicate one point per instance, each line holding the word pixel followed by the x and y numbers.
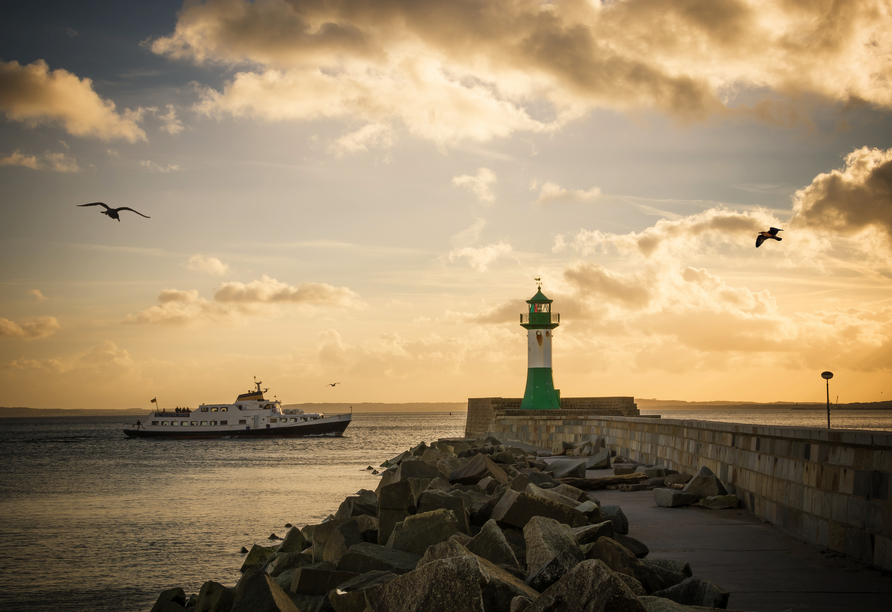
pixel 20 412
pixel 647 405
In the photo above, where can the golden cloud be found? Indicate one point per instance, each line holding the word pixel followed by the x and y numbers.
pixel 469 69
pixel 41 328
pixel 34 95
pixel 177 308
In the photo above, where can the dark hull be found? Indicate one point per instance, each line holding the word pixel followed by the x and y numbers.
pixel 331 427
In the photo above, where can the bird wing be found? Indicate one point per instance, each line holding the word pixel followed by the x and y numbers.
pixel 136 211
pixel 759 240
pixel 773 231
pixel 97 204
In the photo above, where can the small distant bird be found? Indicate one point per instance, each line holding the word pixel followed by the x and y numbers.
pixel 771 233
pixel 333 384
pixel 113 212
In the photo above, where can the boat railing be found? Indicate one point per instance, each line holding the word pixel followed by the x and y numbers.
pixel 164 413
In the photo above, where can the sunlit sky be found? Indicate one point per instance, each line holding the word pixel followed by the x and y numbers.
pixel 363 192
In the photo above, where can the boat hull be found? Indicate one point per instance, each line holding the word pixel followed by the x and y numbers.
pixel 329 426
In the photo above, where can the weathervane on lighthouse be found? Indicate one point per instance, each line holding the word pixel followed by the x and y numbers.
pixel 539 322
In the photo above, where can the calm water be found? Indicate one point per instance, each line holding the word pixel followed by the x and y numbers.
pixel 90 520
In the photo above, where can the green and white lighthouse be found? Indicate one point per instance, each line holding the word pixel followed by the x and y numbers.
pixel 539 322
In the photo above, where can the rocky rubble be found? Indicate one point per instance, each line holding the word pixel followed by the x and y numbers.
pixel 476 525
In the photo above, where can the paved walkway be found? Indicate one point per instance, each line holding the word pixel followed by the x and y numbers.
pixel 764 569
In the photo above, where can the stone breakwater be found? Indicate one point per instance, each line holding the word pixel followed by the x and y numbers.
pixel 476 525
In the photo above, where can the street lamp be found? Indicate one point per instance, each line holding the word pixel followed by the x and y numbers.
pixel 827 376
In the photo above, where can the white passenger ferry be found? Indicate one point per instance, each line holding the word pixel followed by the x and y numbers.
pixel 250 416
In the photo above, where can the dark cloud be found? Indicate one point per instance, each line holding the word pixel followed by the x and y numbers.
pixel 852 199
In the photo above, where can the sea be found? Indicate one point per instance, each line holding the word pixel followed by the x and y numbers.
pixel 93 521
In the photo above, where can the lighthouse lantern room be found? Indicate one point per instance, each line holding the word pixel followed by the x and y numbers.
pixel 539 322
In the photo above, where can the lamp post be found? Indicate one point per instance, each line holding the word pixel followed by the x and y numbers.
pixel 827 376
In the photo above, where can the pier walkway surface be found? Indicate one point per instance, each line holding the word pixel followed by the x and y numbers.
pixel 763 568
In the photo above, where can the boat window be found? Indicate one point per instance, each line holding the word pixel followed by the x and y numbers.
pixel 242 421
pixel 213 422
pixel 204 408
pixel 224 422
pixel 194 423
pixel 204 422
pixel 214 409
pixel 293 420
pixel 165 422
pixel 174 423
pixel 224 409
pixel 273 420
pixel 154 422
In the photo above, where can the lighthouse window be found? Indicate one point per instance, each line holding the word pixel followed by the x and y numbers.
pixel 540 307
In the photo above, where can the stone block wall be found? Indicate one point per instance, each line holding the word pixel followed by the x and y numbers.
pixel 482 410
pixel 828 487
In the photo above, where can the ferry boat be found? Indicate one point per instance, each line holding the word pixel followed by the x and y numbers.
pixel 250 416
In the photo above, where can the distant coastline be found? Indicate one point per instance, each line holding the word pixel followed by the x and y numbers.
pixel 19 412
pixel 655 404
pixel 360 407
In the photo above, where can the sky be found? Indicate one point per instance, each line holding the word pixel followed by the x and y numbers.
pixel 364 192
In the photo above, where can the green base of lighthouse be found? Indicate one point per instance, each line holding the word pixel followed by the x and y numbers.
pixel 540 393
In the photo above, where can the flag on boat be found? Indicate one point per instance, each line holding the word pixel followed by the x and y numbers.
pixel 155 400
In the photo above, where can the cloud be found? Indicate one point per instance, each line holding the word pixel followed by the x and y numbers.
pixel 715 226
pixel 480 185
pixel 479 258
pixel 34 95
pixel 372 135
pixel 471 69
pixel 553 193
pixel 102 358
pixel 17 158
pixel 172 125
pixel 37 295
pixel 177 307
pixel 59 162
pixel 598 283
pixel 153 167
pixel 852 200
pixel 270 291
pixel 41 328
pixel 211 265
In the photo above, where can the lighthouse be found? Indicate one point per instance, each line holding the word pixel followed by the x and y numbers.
pixel 539 322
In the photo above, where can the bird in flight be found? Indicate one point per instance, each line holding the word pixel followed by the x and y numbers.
pixel 113 212
pixel 771 233
pixel 333 384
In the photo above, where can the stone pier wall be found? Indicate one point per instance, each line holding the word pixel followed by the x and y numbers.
pixel 828 487
pixel 482 410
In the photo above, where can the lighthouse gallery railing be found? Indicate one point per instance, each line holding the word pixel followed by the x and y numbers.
pixel 525 318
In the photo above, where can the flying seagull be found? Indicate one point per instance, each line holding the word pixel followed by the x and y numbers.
pixel 113 212
pixel 763 236
pixel 333 384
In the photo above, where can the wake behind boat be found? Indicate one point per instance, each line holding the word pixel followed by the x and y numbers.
pixel 251 416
